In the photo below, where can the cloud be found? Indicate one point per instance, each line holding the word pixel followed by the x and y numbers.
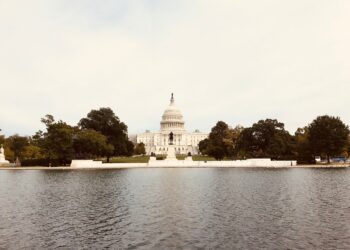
pixel 237 61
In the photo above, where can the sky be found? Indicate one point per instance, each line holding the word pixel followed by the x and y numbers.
pixel 236 61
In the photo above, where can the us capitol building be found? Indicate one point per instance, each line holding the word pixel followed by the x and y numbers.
pixel 172 122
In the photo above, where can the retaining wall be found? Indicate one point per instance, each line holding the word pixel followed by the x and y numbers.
pixel 185 163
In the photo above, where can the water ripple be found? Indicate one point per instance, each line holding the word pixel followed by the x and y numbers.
pixel 175 209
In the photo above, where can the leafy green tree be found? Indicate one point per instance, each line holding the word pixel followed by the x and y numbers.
pixel 266 138
pixel 129 148
pixel 140 149
pixel 60 141
pixel 89 144
pixel 221 141
pixel 218 146
pixel 32 152
pixel 203 146
pixel 57 141
pixel 328 136
pixel 17 145
pixel 48 120
pixel 231 140
pixel 304 152
pixel 105 121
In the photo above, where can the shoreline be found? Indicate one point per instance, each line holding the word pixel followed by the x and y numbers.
pixel 327 166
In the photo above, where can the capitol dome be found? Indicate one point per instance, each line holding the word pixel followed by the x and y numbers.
pixel 172 119
pixel 172 125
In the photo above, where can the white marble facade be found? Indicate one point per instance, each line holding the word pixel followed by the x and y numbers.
pixel 172 121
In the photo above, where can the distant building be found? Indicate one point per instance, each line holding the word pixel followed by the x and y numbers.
pixel 172 121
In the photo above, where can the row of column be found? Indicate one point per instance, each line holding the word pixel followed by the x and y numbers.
pixel 172 125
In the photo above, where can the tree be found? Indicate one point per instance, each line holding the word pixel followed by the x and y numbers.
pixel 140 149
pixel 37 138
pixel 17 145
pixel 328 136
pixel 203 146
pixel 129 148
pixel 48 120
pixel 221 141
pixel 105 121
pixel 32 152
pixel 57 141
pixel 231 140
pixel 89 143
pixel 218 146
pixel 265 139
pixel 304 152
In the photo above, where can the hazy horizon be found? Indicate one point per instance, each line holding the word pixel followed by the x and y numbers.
pixel 235 61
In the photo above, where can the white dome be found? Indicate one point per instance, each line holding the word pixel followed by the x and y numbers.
pixel 172 119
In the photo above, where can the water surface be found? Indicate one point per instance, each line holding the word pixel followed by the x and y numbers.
pixel 175 209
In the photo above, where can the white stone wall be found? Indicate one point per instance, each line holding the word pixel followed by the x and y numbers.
pixel 86 163
pixel 266 163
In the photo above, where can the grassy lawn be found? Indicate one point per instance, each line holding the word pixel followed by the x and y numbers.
pixel 202 158
pixel 196 158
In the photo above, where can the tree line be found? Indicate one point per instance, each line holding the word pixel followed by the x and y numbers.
pixel 99 134
pixel 326 136
pixel 102 134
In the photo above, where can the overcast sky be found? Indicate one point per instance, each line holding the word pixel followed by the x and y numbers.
pixel 236 61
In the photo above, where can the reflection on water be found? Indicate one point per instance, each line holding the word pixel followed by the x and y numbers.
pixel 176 208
